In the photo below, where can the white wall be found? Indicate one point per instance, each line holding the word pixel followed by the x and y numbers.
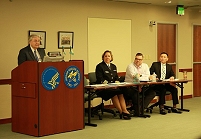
pixel 19 16
pixel 109 34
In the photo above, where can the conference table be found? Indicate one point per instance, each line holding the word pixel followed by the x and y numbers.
pixel 179 83
pixel 93 88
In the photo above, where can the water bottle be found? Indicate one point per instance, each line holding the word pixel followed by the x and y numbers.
pixel 136 79
pixel 154 77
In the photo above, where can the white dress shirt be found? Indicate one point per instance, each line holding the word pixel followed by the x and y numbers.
pixel 132 70
pixel 38 55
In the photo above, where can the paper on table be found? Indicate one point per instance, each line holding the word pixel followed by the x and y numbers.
pixel 120 83
pixel 169 80
pixel 144 79
pixel 103 85
pixel 98 85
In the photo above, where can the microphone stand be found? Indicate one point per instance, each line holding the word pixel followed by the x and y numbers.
pixel 63 52
pixel 70 53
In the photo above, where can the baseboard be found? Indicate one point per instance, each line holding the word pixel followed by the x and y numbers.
pixel 112 106
pixel 167 98
pixel 109 106
pixel 9 120
pixel 5 121
pixel 186 96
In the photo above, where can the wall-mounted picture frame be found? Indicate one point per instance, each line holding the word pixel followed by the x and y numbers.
pixel 42 35
pixel 65 39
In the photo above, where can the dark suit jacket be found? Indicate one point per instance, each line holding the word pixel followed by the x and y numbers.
pixel 104 73
pixel 26 54
pixel 156 67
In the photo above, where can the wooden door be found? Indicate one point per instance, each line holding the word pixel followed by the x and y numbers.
pixel 196 60
pixel 166 42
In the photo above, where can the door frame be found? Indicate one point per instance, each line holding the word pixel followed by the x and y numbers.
pixel 192 44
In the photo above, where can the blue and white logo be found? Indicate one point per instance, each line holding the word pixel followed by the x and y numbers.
pixel 72 77
pixel 50 78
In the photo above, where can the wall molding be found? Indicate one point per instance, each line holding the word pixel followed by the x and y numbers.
pixel 186 96
pixel 9 120
pixel 5 121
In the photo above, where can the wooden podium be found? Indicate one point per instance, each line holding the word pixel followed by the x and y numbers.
pixel 39 111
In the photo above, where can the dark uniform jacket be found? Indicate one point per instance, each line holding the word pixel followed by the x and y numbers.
pixel 104 73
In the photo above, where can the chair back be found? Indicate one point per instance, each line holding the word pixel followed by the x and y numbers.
pixel 92 77
pixel 85 81
pixel 85 91
pixel 122 78
pixel 93 95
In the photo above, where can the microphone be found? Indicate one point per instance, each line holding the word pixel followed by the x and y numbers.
pixel 63 52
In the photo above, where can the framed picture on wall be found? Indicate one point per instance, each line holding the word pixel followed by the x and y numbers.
pixel 42 35
pixel 65 40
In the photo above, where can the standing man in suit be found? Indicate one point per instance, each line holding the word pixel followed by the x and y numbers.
pixel 32 52
pixel 164 71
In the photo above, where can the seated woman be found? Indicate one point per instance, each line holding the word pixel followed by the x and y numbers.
pixel 106 72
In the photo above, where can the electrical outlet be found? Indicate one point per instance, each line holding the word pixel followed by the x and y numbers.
pixel 152 23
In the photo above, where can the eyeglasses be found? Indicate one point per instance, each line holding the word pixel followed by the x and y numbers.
pixel 35 40
pixel 138 59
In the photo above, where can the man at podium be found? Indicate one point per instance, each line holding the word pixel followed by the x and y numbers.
pixel 32 52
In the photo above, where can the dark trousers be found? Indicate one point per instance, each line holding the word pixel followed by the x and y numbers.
pixel 161 92
pixel 131 93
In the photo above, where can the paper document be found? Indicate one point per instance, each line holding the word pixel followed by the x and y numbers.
pixel 121 83
pixel 170 80
pixel 98 85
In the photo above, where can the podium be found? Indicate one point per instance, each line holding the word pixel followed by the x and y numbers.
pixel 47 97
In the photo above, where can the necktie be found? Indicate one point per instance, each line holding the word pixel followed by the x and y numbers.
pixel 163 71
pixel 109 66
pixel 35 55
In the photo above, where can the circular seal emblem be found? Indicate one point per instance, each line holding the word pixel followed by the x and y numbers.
pixel 72 77
pixel 50 78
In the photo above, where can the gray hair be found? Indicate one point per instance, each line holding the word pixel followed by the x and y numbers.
pixel 32 36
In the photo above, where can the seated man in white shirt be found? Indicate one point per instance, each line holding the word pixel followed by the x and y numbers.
pixel 137 68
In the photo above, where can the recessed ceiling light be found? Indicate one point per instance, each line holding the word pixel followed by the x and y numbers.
pixel 168 1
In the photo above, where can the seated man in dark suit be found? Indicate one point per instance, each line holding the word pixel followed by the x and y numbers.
pixel 32 52
pixel 164 71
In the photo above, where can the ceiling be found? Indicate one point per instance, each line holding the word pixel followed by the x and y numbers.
pixel 186 3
